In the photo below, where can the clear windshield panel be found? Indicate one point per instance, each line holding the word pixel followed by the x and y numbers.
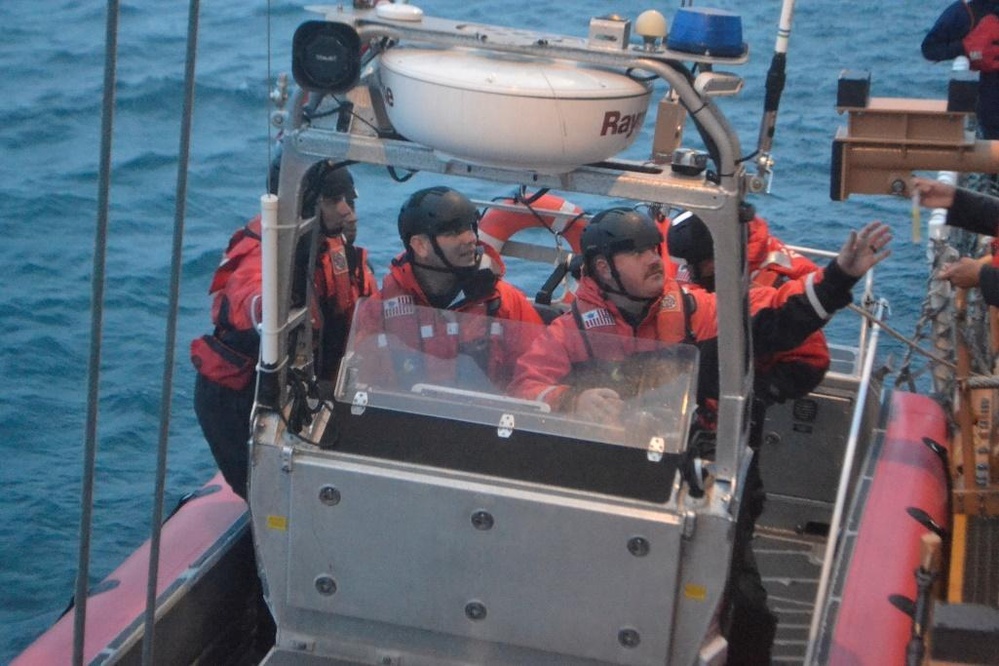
pixel 477 368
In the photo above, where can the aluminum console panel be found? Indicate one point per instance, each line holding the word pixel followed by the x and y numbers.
pixel 478 558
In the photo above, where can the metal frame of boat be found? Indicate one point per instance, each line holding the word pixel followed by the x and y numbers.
pixel 443 593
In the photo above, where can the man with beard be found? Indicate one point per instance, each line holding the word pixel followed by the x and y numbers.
pixel 226 359
pixel 624 292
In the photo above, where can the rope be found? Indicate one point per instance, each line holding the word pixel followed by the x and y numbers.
pixel 96 328
pixel 171 330
pixel 981 381
pixel 901 338
pixel 936 316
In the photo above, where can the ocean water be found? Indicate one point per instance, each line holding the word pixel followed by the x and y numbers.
pixel 52 56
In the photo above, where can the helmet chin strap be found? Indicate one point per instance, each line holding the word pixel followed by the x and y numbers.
pixel 621 291
pixel 469 282
pixel 462 273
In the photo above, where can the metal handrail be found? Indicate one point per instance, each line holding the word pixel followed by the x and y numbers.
pixel 844 481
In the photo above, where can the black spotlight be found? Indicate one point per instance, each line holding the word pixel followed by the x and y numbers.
pixel 326 57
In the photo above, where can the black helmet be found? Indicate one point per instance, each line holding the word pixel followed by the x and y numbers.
pixel 328 179
pixel 434 211
pixel 619 230
pixel 336 181
pixel 689 239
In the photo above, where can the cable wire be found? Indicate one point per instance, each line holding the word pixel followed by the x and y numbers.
pixel 176 264
pixel 96 329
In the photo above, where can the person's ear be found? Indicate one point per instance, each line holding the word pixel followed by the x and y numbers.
pixel 421 246
pixel 601 268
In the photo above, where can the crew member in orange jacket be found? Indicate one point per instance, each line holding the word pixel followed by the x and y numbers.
pixel 624 291
pixel 619 245
pixel 445 268
pixel 771 263
pixel 226 359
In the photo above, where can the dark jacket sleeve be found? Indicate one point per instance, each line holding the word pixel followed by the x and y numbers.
pixel 989 284
pixel 780 322
pixel 943 41
pixel 799 308
pixel 974 212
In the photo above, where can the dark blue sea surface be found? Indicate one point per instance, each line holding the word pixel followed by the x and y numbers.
pixel 52 58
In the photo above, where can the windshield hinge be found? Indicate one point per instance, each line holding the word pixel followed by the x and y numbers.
pixel 657 446
pixel 359 403
pixel 506 426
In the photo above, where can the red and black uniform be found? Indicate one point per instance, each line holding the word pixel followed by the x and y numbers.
pixel 403 310
pixel 226 359
pixel 771 262
pixel 796 372
pixel 781 320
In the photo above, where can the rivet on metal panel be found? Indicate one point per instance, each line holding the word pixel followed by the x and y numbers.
pixel 329 495
pixel 638 546
pixel 482 520
pixel 325 585
pixel 629 637
pixel 475 611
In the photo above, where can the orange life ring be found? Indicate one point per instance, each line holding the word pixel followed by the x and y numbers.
pixel 497 226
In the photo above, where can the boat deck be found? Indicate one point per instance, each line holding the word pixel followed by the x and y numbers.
pixel 790 565
pixel 804 443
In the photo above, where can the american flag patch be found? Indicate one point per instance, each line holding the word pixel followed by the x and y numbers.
pixel 398 306
pixel 598 317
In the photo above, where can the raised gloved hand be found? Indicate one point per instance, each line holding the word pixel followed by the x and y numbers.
pixel 981 45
